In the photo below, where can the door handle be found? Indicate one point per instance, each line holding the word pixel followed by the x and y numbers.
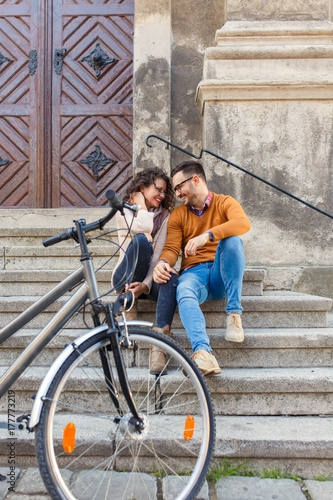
pixel 58 60
pixel 32 62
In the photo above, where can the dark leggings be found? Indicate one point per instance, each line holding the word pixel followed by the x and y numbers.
pixel 164 294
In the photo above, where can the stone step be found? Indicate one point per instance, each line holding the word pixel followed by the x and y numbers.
pixel 262 348
pixel 241 391
pixel 39 282
pixel 34 236
pixel 276 310
pixel 55 257
pixel 303 445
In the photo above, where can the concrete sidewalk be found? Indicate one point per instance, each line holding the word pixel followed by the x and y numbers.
pixel 27 485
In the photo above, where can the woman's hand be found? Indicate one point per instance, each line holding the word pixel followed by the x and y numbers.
pixel 137 288
pixel 138 199
pixel 149 237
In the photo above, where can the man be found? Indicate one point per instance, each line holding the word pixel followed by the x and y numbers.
pixel 206 228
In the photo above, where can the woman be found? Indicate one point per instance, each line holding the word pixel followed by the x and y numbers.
pixel 152 190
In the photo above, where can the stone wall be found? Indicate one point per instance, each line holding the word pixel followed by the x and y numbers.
pixel 266 99
pixel 170 39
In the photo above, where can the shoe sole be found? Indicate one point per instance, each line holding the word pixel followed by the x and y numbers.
pixel 213 371
pixel 233 339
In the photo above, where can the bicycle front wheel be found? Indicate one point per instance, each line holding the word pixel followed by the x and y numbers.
pixel 87 450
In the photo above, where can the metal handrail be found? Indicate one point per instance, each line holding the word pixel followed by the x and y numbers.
pixel 236 166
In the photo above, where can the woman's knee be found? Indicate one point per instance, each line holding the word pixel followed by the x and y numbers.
pixel 141 242
pixel 170 286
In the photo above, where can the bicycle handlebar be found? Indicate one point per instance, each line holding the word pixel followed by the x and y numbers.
pixel 116 204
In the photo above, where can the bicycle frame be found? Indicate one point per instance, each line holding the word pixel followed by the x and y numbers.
pixel 49 331
pixel 88 290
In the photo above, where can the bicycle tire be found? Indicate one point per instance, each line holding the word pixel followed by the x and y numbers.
pixel 109 460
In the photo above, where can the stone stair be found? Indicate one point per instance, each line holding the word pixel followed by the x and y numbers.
pixel 274 397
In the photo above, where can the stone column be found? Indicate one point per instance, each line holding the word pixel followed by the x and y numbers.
pixel 267 103
pixel 152 87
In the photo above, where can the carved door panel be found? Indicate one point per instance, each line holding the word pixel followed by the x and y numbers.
pixel 18 87
pixel 65 124
pixel 92 100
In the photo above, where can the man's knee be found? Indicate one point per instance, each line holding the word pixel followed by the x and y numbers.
pixel 185 290
pixel 232 244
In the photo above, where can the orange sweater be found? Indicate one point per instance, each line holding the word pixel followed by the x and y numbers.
pixel 224 217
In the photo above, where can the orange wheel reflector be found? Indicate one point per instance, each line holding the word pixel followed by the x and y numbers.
pixel 68 440
pixel 189 428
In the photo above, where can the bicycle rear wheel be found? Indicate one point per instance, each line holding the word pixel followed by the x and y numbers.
pixel 86 451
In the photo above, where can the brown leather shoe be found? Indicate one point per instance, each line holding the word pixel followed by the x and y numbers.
pixel 206 362
pixel 158 356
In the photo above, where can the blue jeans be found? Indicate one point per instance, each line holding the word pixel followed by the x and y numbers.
pixel 164 294
pixel 216 280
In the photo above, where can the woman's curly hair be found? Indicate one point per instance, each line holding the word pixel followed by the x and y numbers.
pixel 147 177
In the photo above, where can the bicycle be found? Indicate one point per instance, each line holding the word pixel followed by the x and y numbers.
pixel 104 425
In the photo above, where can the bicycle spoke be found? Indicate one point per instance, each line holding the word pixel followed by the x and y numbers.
pixel 106 451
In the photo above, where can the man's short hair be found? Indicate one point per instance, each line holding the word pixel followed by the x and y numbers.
pixel 190 168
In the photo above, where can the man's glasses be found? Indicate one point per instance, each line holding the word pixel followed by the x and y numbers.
pixel 159 189
pixel 179 186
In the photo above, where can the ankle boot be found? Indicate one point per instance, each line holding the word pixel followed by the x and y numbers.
pixel 157 358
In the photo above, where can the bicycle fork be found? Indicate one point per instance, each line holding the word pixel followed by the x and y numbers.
pixel 136 421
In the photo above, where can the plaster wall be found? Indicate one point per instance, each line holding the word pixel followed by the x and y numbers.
pixel 170 39
pixel 266 99
pixel 263 74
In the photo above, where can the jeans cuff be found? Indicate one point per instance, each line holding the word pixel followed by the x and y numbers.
pixel 205 347
pixel 233 310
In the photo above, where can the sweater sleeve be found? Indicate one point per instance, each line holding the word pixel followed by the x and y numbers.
pixel 159 242
pixel 142 223
pixel 174 239
pixel 236 222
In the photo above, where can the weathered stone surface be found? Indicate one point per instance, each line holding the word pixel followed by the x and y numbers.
pixel 275 437
pixel 255 488
pixel 32 483
pixel 46 218
pixel 172 486
pixel 282 11
pixel 318 280
pixel 264 347
pixel 320 490
pixel 246 391
pixel 271 80
pixel 4 485
pixel 138 485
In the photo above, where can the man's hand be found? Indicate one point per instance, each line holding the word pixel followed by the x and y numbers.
pixel 137 288
pixel 162 272
pixel 195 243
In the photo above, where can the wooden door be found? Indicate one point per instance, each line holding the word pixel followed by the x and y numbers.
pixel 67 135
pixel 18 89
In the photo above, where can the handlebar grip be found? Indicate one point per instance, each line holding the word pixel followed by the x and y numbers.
pixel 114 200
pixel 53 240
